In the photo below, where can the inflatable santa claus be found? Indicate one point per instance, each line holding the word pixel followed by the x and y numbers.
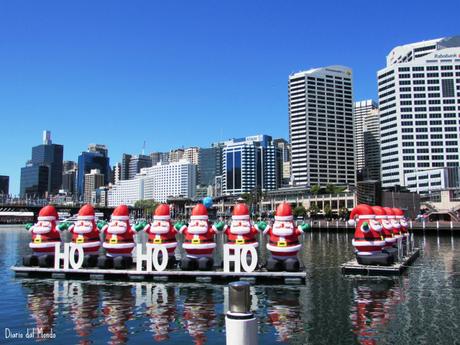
pixel 394 222
pixel 387 231
pixel 367 239
pixel 199 240
pixel 119 240
pixel 161 232
pixel 241 231
pixel 399 216
pixel 45 236
pixel 85 232
pixel 283 240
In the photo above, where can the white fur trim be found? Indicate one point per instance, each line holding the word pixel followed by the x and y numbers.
pixel 381 217
pixel 243 217
pixel 85 217
pixel 43 244
pixel 287 249
pixel 199 218
pixel 90 244
pixel 49 218
pixel 284 218
pixel 267 229
pixel 253 244
pixel 118 245
pixel 198 246
pixel 166 245
pixel 120 217
pixel 361 243
pixel 161 218
pixel 390 239
pixel 399 217
pixel 183 227
pixel 366 216
pixel 351 222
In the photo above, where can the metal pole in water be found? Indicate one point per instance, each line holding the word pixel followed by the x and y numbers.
pixel 240 322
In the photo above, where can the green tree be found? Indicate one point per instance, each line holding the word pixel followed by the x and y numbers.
pixel 147 207
pixel 313 210
pixel 299 211
pixel 315 189
pixel 333 189
pixel 328 211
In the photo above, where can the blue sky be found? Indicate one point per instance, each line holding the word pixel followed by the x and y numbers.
pixel 182 73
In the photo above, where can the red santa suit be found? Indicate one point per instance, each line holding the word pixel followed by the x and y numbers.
pixel 241 231
pixel 85 231
pixel 161 231
pixel 119 240
pixel 199 235
pixel 45 235
pixel 367 239
pixel 387 228
pixel 284 235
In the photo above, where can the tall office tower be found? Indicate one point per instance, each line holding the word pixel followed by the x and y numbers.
pixel 89 160
pixel 68 166
pixel 102 149
pixel 136 163
pixel 321 126
pixel 209 165
pixel 116 173
pixel 192 154
pixel 159 157
pixel 367 140
pixel 93 181
pixel 250 163
pixel 285 161
pixel 176 155
pixel 124 172
pixel 47 156
pixel 69 177
pixel 4 185
pixel 419 108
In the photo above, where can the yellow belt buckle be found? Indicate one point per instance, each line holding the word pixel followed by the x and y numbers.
pixel 281 244
pixel 113 240
pixel 196 241
pixel 38 239
pixel 80 239
pixel 240 241
pixel 157 240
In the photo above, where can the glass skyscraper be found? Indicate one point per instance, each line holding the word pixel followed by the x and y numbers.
pixel 88 161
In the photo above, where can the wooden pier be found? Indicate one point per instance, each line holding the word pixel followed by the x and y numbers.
pixel 352 267
pixel 174 275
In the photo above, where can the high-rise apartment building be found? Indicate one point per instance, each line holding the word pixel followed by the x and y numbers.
pixel 321 126
pixel 47 156
pixel 4 185
pixel 93 181
pixel 285 151
pixel 250 163
pixel 132 165
pixel 97 158
pixel 159 157
pixel 367 140
pixel 192 154
pixel 419 99
pixel 158 182
pixel 176 155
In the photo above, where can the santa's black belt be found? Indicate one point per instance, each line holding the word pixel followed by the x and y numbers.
pixel 152 240
pixel 201 241
pixel 119 241
pixel 88 239
pixel 287 242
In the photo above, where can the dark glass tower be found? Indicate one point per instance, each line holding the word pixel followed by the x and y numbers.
pixel 92 160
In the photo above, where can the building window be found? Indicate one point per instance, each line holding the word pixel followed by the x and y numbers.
pixel 448 89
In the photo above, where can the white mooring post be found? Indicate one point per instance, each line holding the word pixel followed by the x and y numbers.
pixel 240 322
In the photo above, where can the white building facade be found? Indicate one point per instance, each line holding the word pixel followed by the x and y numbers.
pixel 321 126
pixel 156 183
pixel 426 181
pixel 419 103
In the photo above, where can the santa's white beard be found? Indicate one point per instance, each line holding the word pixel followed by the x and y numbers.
pixel 240 230
pixel 196 230
pixel 404 223
pixel 387 225
pixel 377 228
pixel 159 229
pixel 42 229
pixel 396 225
pixel 283 231
pixel 82 229
pixel 116 229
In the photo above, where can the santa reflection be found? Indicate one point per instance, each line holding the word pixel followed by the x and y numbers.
pixel 162 310
pixel 374 302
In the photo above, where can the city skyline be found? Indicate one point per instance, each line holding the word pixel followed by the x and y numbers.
pixel 165 73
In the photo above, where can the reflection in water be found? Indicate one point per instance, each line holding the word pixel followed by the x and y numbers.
pixel 284 312
pixel 41 304
pixel 373 301
pixel 117 308
pixel 198 314
pixel 162 310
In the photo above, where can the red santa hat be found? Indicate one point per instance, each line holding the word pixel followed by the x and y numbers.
pixel 379 212
pixel 240 212
pixel 284 212
pixel 48 213
pixel 389 212
pixel 121 213
pixel 399 214
pixel 199 212
pixel 361 211
pixel 162 212
pixel 86 212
